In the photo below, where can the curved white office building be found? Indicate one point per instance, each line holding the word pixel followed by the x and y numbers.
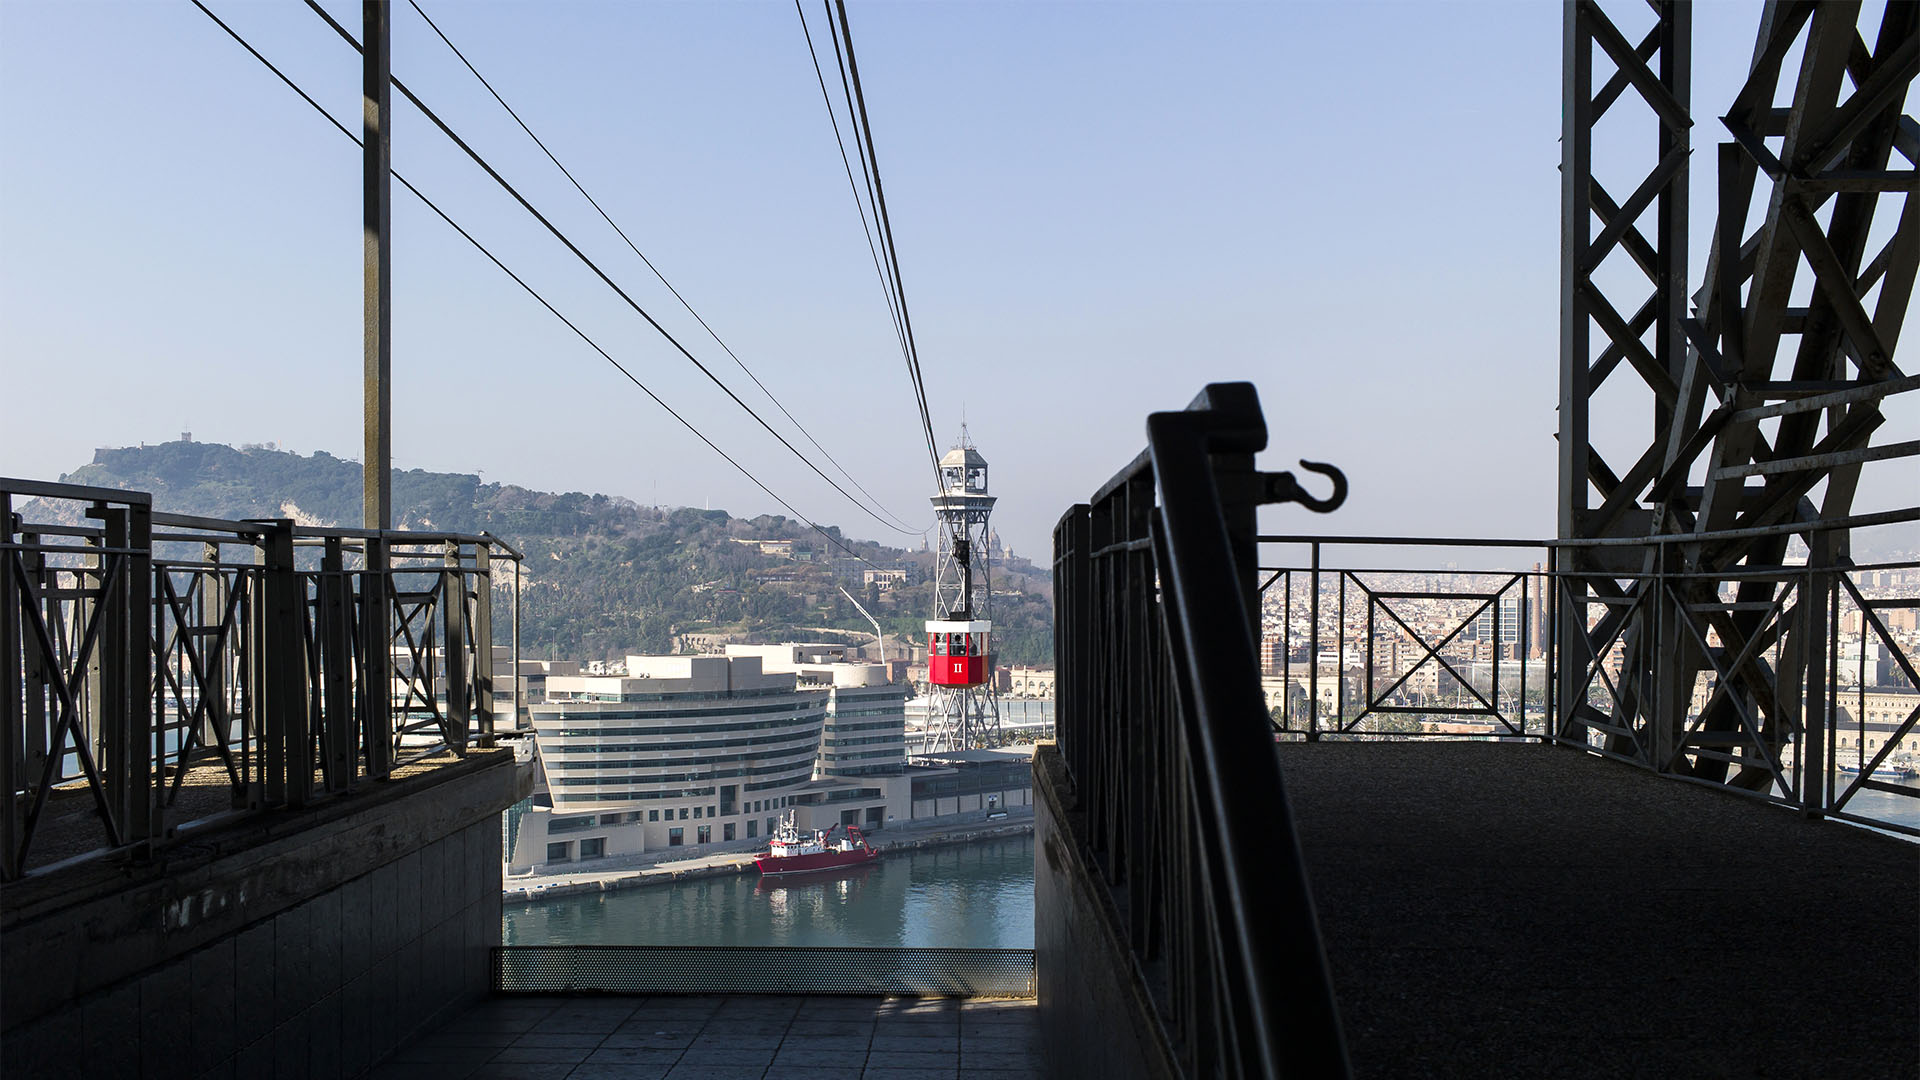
pixel 694 749
pixel 866 725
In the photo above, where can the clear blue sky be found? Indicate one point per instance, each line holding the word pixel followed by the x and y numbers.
pixel 1099 207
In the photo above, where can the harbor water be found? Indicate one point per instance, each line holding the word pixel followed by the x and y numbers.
pixel 973 895
pixel 969 895
pixel 1885 805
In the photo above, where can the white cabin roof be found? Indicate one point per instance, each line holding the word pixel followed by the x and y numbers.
pixel 976 626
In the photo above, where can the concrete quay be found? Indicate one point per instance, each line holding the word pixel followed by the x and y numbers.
pixel 660 868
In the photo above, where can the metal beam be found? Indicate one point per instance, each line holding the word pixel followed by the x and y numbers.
pixel 377 238
pixel 1654 80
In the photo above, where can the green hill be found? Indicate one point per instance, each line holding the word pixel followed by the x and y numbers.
pixel 603 576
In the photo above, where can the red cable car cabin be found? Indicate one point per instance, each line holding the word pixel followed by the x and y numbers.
pixel 957 653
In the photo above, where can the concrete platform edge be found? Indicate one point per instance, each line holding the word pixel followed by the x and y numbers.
pixel 1096 1018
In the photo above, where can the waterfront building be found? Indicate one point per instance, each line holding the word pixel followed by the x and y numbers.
pixel 959 782
pixel 1867 720
pixel 865 730
pixel 1030 682
pixel 691 751
pixel 680 751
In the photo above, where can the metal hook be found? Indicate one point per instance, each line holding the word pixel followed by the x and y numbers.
pixel 1282 487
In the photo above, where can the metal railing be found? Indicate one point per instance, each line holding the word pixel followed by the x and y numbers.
pixel 762 969
pixel 146 655
pixel 1374 610
pixel 1162 728
pixel 1821 719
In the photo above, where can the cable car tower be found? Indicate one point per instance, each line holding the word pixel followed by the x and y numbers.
pixel 965 713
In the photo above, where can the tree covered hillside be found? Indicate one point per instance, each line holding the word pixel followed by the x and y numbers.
pixel 603 576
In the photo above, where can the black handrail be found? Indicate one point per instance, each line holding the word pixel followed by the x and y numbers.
pixel 1162 725
pixel 137 646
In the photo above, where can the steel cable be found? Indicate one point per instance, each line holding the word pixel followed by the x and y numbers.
pixel 531 291
pixel 901 525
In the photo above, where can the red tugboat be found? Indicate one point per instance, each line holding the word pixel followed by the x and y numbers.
pixel 793 852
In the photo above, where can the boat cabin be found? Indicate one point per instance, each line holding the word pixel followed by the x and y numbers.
pixel 789 841
pixel 957 653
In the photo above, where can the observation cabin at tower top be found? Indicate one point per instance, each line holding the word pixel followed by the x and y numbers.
pixel 962 470
pixel 963 502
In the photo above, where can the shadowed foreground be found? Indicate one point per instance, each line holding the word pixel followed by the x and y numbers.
pixel 1518 910
pixel 612 1037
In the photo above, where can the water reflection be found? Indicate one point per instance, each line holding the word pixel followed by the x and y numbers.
pixel 975 895
pixel 840 880
pixel 1901 807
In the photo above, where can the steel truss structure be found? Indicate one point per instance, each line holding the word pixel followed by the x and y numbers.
pixel 963 717
pixel 1764 397
pixel 144 655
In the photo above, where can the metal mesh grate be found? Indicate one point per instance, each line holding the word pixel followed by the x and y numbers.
pixel 724 969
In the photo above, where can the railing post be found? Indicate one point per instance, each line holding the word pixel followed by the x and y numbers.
pixel 1662 684
pixel 1102 744
pixel 453 616
pixel 142 747
pixel 519 683
pixel 286 735
pixel 1070 635
pixel 336 672
pixel 1140 625
pixel 1259 946
pixel 111 704
pixel 13 657
pixel 1550 692
pixel 1571 628
pixel 483 641
pixel 1286 655
pixel 92 713
pixel 1815 700
pixel 1493 657
pixel 34 671
pixel 376 659
pixel 1340 653
pixel 1236 479
pixel 1313 649
pixel 1367 702
pixel 1525 637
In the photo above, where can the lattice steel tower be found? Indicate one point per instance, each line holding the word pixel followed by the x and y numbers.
pixel 966 709
pixel 1764 388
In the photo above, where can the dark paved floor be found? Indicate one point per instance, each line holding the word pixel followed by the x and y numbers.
pixel 727 1038
pixel 1525 911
